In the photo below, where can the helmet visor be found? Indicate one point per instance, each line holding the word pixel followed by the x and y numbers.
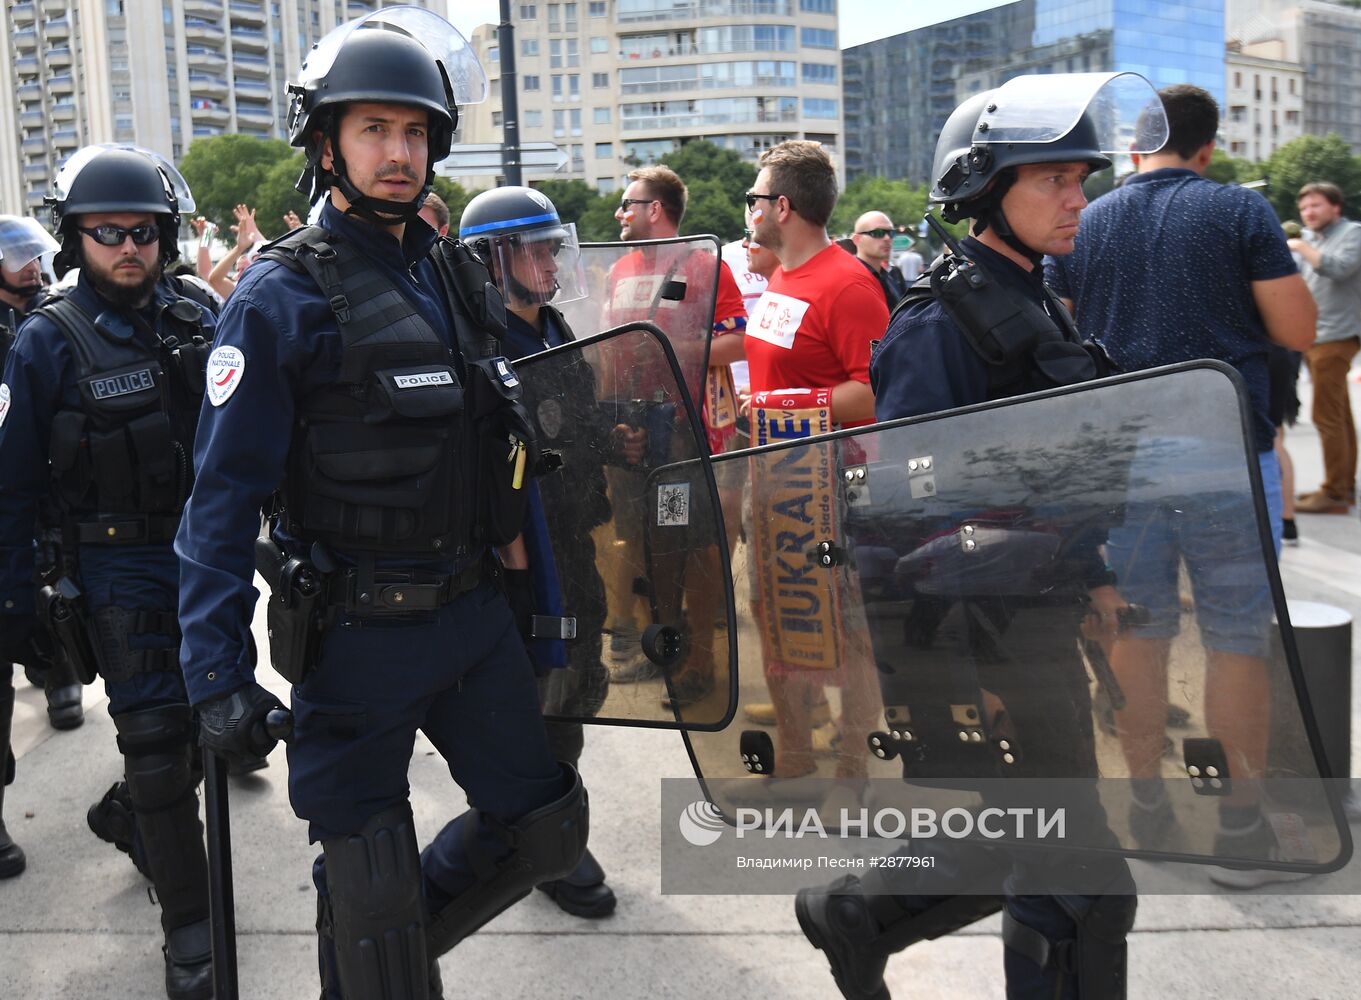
pixel 440 38
pixel 23 240
pixel 82 158
pixel 1124 108
pixel 538 266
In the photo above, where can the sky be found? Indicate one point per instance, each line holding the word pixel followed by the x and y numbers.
pixel 861 20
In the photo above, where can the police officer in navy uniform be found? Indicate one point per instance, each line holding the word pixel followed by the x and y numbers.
pixel 353 375
pixel 535 262
pixel 101 399
pixel 980 325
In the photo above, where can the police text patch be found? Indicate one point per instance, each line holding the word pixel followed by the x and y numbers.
pixel 422 379
pixel 226 367
pixel 122 385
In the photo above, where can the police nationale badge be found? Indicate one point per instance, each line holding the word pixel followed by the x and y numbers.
pixel 550 418
pixel 226 366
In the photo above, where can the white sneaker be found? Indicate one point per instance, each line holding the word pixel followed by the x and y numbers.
pixel 1253 878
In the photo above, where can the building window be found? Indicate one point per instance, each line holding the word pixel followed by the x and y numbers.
pixel 818 6
pixel 555 53
pixel 569 15
pixel 600 80
pixel 598 8
pixel 599 43
pixel 1238 84
pixel 817 38
pixel 602 116
pixel 573 52
pixel 495 91
pixel 604 150
pixel 557 87
pixel 604 185
pixel 559 124
pixel 818 73
pixel 575 119
pixel 574 86
pixel 529 46
pixel 533 119
pixel 494 55
pixel 529 11
pixel 496 119
pixel 531 82
pixel 1292 86
pixel 817 107
pixel 555 17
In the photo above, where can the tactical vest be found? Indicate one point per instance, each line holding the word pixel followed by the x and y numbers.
pixel 128 447
pixel 392 456
pixel 1026 347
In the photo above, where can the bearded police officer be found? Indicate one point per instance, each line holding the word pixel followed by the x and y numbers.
pixel 355 375
pixel 98 411
pixel 536 263
pixel 981 325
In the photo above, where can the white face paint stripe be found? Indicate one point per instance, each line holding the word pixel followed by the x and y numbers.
pixel 226 368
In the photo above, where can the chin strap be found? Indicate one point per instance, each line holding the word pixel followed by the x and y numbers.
pixel 376 210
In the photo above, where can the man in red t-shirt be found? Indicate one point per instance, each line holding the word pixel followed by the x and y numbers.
pixel 811 330
pixel 652 207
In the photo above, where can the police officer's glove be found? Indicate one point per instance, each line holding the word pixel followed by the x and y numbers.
pixel 16 638
pixel 519 585
pixel 233 725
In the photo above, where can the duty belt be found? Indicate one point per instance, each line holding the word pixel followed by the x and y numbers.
pixel 398 592
pixel 134 529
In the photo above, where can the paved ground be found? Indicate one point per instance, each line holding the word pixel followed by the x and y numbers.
pixel 79 923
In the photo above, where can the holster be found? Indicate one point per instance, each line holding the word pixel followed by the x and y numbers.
pixel 61 613
pixel 296 611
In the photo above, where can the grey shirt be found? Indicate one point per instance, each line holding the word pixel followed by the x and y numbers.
pixel 1336 281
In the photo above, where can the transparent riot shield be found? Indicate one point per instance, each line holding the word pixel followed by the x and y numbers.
pixel 630 534
pixel 671 284
pixel 1069 599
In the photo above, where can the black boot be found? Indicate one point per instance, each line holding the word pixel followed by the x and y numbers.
pixel 111 819
pixel 12 861
pixel 161 784
pixel 188 954
pixel 583 893
pixel 64 692
pixel 837 921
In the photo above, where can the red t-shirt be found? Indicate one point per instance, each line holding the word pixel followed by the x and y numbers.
pixel 813 326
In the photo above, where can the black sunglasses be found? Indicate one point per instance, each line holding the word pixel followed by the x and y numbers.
pixel 878 234
pixel 752 199
pixel 624 203
pixel 109 235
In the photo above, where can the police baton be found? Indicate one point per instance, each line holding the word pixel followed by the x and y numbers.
pixel 278 724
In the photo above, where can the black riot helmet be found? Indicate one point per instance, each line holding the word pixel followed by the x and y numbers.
pixel 398 55
pixel 117 178
pixel 534 255
pixel 1052 118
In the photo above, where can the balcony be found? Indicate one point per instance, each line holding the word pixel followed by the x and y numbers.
pixel 57 28
pixel 63 84
pixel 35 172
pixel 248 65
pixel 253 115
pixel 54 6
pixel 26 40
pixel 209 113
pixel 34 199
pixel 254 88
pixel 203 85
pixel 30 91
pixel 59 57
pixel 63 111
pixel 32 119
pixel 196 30
pixel 706 8
pixel 209 9
pixel 28 64
pixel 34 145
pixel 202 57
pixel 249 40
pixel 23 13
pixel 247 13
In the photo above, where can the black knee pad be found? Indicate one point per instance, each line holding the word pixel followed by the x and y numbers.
pixel 155 744
pixel 377 914
pixel 1095 957
pixel 545 844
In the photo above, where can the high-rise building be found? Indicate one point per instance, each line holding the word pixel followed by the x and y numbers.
pixel 619 83
pixel 900 90
pixel 156 73
pixel 1324 39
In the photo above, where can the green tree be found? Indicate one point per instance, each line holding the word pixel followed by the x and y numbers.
pixel 700 160
pixel 1310 158
pixel 711 208
pixel 224 171
pixel 903 202
pixel 1228 170
pixel 456 196
pixel 571 197
pixel 597 223
pixel 276 195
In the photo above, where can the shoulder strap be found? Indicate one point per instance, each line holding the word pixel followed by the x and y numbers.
pixel 475 303
pixel 189 288
pixel 371 312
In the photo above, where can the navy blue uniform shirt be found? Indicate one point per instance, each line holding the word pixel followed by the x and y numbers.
pixel 39 380
pixel 284 327
pixel 1162 272
pixel 925 362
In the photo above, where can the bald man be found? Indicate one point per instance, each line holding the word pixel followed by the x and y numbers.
pixel 873 239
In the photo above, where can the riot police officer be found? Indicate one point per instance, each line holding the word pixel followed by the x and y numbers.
pixel 356 374
pixel 101 399
pixel 981 325
pixel 535 263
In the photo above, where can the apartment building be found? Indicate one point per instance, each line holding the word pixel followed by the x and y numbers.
pixel 1264 99
pixel 156 72
pixel 619 83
